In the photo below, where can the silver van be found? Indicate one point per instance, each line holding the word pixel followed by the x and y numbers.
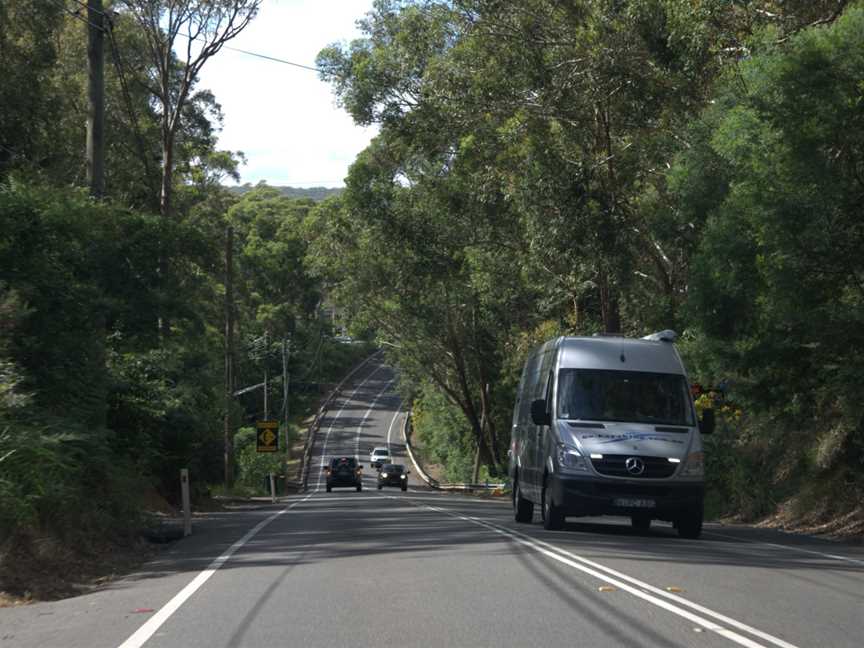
pixel 606 425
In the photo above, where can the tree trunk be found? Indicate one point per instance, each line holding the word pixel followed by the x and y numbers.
pixel 96 97
pixel 475 473
pixel 609 310
pixel 167 174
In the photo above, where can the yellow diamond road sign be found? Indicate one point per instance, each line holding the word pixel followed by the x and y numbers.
pixel 268 436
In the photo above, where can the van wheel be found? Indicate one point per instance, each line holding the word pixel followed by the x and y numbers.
pixel 359 487
pixel 553 518
pixel 690 525
pixel 523 509
pixel 329 489
pixel 640 522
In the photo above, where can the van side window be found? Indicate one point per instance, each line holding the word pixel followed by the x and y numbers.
pixel 520 410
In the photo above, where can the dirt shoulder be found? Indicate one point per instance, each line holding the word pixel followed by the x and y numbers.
pixel 820 521
pixel 45 568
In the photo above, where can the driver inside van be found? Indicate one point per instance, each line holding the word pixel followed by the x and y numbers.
pixel 618 402
pixel 580 396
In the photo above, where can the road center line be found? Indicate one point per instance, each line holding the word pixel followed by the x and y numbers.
pixel 140 636
pixel 143 634
pixel 365 416
pixel 640 589
pixel 335 418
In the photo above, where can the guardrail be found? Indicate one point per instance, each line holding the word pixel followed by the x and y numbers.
pixel 431 481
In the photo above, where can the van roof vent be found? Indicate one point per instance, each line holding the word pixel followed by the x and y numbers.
pixel 662 336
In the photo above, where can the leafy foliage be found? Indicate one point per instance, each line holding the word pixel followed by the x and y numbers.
pixel 607 166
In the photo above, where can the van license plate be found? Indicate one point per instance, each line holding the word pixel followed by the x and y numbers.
pixel 635 503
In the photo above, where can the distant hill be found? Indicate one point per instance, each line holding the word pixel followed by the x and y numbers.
pixel 315 193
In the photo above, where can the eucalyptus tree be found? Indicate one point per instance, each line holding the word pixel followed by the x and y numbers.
pixel 182 35
pixel 573 108
pixel 28 111
pixel 415 258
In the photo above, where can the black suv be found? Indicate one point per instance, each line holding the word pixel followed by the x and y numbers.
pixel 344 471
pixel 393 475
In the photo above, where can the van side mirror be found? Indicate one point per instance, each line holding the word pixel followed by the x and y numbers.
pixel 539 415
pixel 706 424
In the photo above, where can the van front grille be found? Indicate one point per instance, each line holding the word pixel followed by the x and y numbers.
pixel 616 466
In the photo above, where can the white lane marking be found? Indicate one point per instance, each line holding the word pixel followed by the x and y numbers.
pixel 327 499
pixel 365 416
pixel 660 592
pixel 142 634
pixel 390 429
pixel 411 456
pixel 355 370
pixel 466 501
pixel 789 547
pixel 620 580
pixel 330 427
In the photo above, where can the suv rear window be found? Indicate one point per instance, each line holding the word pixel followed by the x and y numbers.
pixel 343 462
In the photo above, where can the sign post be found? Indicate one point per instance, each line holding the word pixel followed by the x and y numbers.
pixel 187 508
pixel 268 436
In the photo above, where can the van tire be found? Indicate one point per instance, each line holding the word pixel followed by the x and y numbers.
pixel 553 517
pixel 690 525
pixel 640 523
pixel 523 510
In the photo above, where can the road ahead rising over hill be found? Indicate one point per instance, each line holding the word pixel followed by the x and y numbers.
pixel 428 569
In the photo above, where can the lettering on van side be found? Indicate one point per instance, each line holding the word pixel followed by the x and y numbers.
pixel 635 436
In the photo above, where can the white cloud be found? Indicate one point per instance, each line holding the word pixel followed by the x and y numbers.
pixel 282 117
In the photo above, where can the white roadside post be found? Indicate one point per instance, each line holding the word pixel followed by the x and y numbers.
pixel 187 508
pixel 272 488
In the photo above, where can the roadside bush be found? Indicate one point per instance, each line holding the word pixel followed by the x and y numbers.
pixel 444 432
pixel 253 466
pixel 66 483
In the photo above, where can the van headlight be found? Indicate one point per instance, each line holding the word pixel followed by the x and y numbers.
pixel 694 465
pixel 570 459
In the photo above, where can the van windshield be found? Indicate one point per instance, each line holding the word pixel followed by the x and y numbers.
pixel 633 396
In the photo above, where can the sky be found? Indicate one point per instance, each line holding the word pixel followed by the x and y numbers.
pixel 283 118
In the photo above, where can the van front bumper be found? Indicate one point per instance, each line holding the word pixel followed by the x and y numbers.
pixel 659 499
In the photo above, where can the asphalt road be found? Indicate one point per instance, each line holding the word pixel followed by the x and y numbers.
pixel 428 569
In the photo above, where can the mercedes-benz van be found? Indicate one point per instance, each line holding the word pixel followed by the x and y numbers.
pixel 607 426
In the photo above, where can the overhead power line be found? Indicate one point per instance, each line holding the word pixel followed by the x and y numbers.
pixel 77 14
pixel 273 58
pixel 88 7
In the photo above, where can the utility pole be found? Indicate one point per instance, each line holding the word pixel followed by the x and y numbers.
pixel 96 98
pixel 285 390
pixel 266 376
pixel 229 355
